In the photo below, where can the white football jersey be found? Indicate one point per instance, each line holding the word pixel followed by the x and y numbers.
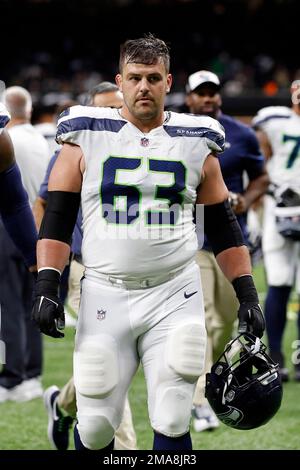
pixel 131 180
pixel 4 117
pixel 282 126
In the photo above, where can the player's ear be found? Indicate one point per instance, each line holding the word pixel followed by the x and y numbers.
pixel 119 81
pixel 169 83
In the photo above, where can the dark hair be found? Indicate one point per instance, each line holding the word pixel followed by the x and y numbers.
pixel 147 50
pixel 102 87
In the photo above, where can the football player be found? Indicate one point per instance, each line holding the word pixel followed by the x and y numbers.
pixel 278 129
pixel 139 172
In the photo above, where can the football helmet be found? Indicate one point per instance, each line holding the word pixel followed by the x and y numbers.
pixel 244 388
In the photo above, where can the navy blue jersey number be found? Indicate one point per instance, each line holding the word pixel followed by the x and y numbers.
pixel 172 194
pixel 295 152
pixel 121 202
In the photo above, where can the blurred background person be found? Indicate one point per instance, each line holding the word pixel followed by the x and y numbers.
pixel 44 121
pixel 278 129
pixel 20 378
pixel 241 157
pixel 16 216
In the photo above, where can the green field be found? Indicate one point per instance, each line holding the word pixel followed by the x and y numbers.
pixel 23 425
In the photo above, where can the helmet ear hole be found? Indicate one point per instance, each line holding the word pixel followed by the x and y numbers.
pixel 243 387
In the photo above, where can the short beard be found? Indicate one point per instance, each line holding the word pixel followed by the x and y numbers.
pixel 144 116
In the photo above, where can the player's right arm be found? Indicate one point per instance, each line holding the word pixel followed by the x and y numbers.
pixel 53 248
pixel 63 190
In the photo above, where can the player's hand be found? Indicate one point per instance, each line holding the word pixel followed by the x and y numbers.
pixel 251 319
pixel 238 203
pixel 48 310
pixel 250 315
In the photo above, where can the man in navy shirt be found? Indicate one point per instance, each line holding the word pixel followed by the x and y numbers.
pixel 243 170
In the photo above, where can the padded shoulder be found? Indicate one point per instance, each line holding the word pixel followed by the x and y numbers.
pixel 271 113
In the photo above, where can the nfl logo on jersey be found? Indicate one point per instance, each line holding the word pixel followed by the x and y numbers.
pixel 101 314
pixel 144 142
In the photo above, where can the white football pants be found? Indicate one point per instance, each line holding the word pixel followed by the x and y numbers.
pixel 163 327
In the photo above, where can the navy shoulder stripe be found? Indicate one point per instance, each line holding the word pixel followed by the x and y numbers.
pixel 3 121
pixel 64 113
pixel 89 124
pixel 216 137
pixel 273 116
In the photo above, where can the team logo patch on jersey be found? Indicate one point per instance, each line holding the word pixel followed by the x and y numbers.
pixel 101 314
pixel 144 142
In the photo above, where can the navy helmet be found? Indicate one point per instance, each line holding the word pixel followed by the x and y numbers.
pixel 244 388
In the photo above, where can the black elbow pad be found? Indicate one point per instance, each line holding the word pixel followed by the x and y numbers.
pixel 60 216
pixel 221 227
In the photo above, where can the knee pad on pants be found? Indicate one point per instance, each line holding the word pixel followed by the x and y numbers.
pixel 96 371
pixel 185 356
pixel 172 412
pixel 95 432
pixel 185 353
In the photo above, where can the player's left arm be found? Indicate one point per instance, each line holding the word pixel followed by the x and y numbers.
pixel 226 239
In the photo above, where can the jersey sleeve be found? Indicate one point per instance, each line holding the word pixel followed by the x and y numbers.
pixel 75 121
pixel 270 119
pixel 70 121
pixel 215 136
pixel 4 117
pixel 212 131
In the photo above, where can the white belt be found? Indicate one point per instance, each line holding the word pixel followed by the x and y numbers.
pixel 136 283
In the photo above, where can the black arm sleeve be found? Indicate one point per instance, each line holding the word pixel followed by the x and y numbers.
pixel 60 216
pixel 221 227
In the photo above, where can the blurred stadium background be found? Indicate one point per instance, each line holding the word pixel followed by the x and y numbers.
pixel 58 49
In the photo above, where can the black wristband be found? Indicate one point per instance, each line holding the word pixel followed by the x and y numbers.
pixel 47 282
pixel 245 289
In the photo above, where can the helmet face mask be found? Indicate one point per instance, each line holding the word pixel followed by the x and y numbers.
pixel 244 388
